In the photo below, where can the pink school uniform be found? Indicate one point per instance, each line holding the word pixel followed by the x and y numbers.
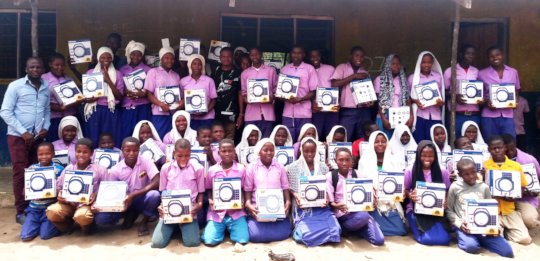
pixel 203 83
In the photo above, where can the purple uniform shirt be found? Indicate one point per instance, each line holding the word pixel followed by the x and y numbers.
pixel 343 71
pixel 132 176
pixel 216 171
pixel 490 76
pixel 432 112
pixel 524 158
pixel 203 83
pixel 52 81
pixel 336 195
pixel 259 176
pixel 119 85
pixel 461 74
pixel 397 90
pixel 519 118
pixel 325 72
pixel 61 145
pixel 159 77
pixel 191 177
pixel 126 70
pixel 256 111
pixel 409 186
pixel 100 173
pixel 308 82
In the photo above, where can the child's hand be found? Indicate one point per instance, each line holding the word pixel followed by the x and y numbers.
pixel 296 198
pixel 287 207
pixel 93 209
pixel 341 207
pixel 294 100
pixel 92 199
pixel 464 227
pixel 164 107
pixel 412 196
pixel 440 103
pixel 251 209
pixel 375 198
pixel 460 98
pixel 211 204
pixel 160 211
pixel 127 202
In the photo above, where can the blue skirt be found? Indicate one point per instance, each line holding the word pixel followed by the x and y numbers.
pixel 316 226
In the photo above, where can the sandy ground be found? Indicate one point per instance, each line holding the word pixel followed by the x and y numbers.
pixel 126 244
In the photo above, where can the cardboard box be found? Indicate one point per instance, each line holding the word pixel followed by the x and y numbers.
pixel 227 193
pixel 176 206
pixel 106 158
pixel 270 204
pixel 312 191
pixel 80 51
pixel 199 154
pixel 363 91
pixel 428 93
pixel 327 98
pixel 410 156
pixel 284 155
pixel 215 49
pixel 287 86
pixel 503 183
pixel 150 150
pixel 258 91
pixel 531 176
pixel 476 156
pixel 445 159
pixel 78 185
pixel 398 115
pixel 503 95
pixel 39 183
pixel 188 47
pixel 169 153
pixel 333 147
pixel 93 85
pixel 170 95
pixel 111 196
pixel 431 197
pixel 135 80
pixel 482 216
pixel 472 91
pixel 247 155
pixel 391 186
pixel 358 194
pixel 61 157
pixel 195 101
pixel 67 93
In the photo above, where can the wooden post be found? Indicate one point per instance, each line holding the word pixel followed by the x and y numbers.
pixel 34 27
pixel 453 88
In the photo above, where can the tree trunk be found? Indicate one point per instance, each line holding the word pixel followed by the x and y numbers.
pixel 34 28
pixel 454 87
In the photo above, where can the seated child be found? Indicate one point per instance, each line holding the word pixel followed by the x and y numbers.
pixel 250 136
pixel 145 130
pixel 281 136
pixel 69 131
pixel 401 141
pixel 218 131
pixel 204 138
pixel 181 129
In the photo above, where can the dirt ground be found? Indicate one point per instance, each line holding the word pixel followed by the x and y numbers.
pixel 126 245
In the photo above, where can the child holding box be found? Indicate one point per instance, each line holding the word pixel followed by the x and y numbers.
pixel 469 188
pixel 182 173
pixel 69 131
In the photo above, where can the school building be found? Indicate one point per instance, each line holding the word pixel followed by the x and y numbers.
pixel 405 27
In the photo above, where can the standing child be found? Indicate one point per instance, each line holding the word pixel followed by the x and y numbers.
pixel 181 129
pixel 266 173
pixel 427 70
pixel 135 106
pixel 197 80
pixel 427 230
pixel 261 115
pixel 297 110
pixel 281 136
pixel 142 178
pixel 460 191
pixel 360 223
pixel 69 130
pixel 219 221
pixel 162 76
pixel 101 114
pixel 36 223
pixel 182 173
pixel 323 120
pixel 63 213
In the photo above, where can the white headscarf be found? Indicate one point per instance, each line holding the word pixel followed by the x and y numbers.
pixel 416 80
pixel 70 121
pixel 446 147
pixel 245 134
pixel 89 108
pixel 165 50
pixel 316 160
pixel 479 139
pixel 289 141
pixel 240 48
pixel 367 166
pixel 191 58
pixel 134 46
pixel 190 134
pixel 394 158
pixel 260 145
pixel 305 128
pixel 138 127
pixel 330 136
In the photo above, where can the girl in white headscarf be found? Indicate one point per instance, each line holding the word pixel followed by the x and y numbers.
pixel 308 130
pixel 281 136
pixel 99 113
pixel 135 106
pixel 402 141
pixel 439 137
pixel 145 130
pixel 338 133
pixel 471 130
pixel 389 214
pixel 69 131
pixel 427 69
pixel 181 129
pixel 250 136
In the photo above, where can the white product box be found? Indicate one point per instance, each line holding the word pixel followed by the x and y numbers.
pixel 503 183
pixel 111 196
pixel 78 185
pixel 312 191
pixel 503 95
pixel 67 93
pixel 391 186
pixel 410 157
pixel 333 147
pixel 198 154
pixel 475 155
pixel 215 49
pixel 327 98
pixel 359 194
pixel 284 155
pixel 472 91
pixel 93 85
pixel 170 95
pixel 431 197
pixel 106 158
pixel 247 155
pixel 363 91
pixel 398 115
pixel 169 152
pixel 80 51
pixel 61 157
pixel 39 183
pixel 428 93
pixel 482 216
pixel 176 206
pixel 287 86
pixel 135 80
pixel 258 91
pixel 227 193
pixel 445 159
pixel 270 204
pixel 195 101
pixel 531 176
pixel 150 150
pixel 189 47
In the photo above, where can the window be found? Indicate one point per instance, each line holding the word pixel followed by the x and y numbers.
pixel 15 40
pixel 278 33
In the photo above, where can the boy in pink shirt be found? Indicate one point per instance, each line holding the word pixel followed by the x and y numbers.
pixel 324 121
pixel 182 173
pixel 233 221
pixel 297 110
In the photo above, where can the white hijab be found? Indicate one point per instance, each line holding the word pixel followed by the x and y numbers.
pixel 479 139
pixel 138 127
pixel 367 166
pixel 305 128
pixel 289 141
pixel 190 134
pixel 394 158
pixel 446 147
pixel 134 46
pixel 330 136
pixel 316 160
pixel 260 145
pixel 70 121
pixel 245 134
pixel 191 58
pixel 416 80
pixel 90 108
